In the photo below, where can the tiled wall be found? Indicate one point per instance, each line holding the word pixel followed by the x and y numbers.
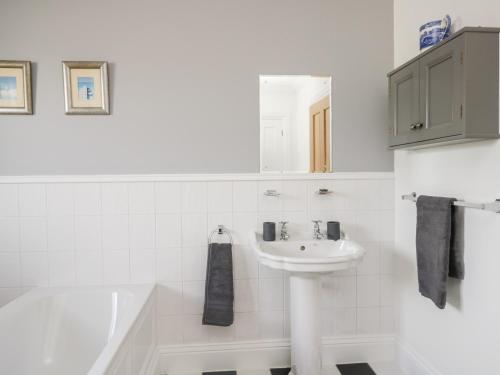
pixel 136 232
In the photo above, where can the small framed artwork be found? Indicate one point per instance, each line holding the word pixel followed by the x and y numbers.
pixel 15 87
pixel 86 87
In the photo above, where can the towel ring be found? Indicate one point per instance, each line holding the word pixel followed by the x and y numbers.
pixel 220 231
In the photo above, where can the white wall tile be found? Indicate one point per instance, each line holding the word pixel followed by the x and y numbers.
pixel 194 230
pixel 366 196
pixel 193 293
pixel 114 198
pixel 61 233
pixel 243 223
pixel 386 290
pixel 32 200
pixel 246 326
pixel 141 198
pixel 271 294
pixel 368 290
pixel 386 194
pixel 194 197
pixel 294 196
pixel 220 196
pixel 88 233
pixel 62 268
pixel 116 266
pixel 169 298
pixel 370 265
pixel 345 321
pixel 33 234
pixel 9 200
pixel 168 197
pixel 142 231
pixel 10 270
pixel 267 203
pixel 9 234
pixel 88 199
pixel 167 235
pixel 368 320
pixel 193 330
pixel 168 230
pixel 170 330
pixel 115 232
pixel 345 291
pixel 89 268
pixel 169 265
pixel 387 321
pixel 271 324
pixel 60 199
pixel 245 196
pixel 142 266
pixel 387 258
pixel 246 295
pixel 328 290
pixel 386 226
pixel 35 269
pixel 220 334
pixel 194 263
pixel 245 264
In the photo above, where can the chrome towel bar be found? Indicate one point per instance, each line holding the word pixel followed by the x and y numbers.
pixel 220 231
pixel 491 206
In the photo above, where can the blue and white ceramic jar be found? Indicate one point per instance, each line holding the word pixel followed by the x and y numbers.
pixel 434 32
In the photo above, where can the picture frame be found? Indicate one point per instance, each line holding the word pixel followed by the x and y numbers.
pixel 15 87
pixel 86 87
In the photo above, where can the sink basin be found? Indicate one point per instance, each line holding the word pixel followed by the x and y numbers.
pixel 322 256
pixel 306 260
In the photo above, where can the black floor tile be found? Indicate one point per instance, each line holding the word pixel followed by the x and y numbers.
pixel 280 371
pixel 356 369
pixel 219 373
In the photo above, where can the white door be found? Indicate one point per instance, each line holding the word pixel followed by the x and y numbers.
pixel 271 143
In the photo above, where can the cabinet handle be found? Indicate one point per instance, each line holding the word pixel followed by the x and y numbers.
pixel 413 126
pixel 419 125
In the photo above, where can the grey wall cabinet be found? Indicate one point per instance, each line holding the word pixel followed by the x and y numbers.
pixel 449 93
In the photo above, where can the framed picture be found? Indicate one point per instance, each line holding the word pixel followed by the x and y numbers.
pixel 15 87
pixel 86 87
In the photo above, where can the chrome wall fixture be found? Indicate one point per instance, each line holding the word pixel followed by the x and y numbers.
pixel 490 206
pixel 271 193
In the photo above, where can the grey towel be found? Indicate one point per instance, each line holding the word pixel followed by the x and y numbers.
pixel 219 293
pixel 439 252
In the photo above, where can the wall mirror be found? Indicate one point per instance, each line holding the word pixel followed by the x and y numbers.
pixel 295 124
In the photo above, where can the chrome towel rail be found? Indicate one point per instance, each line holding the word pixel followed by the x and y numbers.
pixel 220 231
pixel 491 206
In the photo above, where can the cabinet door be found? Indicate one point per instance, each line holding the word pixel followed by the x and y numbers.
pixel 441 91
pixel 404 92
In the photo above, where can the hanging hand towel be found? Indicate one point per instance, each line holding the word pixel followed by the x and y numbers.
pixel 219 293
pixel 439 252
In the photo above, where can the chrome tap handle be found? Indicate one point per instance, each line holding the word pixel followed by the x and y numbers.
pixel 284 231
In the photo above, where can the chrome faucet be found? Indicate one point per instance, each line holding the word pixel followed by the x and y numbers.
pixel 317 235
pixel 284 236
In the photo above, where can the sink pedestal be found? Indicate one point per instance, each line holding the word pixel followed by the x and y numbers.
pixel 305 322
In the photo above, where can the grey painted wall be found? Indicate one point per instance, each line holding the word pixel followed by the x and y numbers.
pixel 184 81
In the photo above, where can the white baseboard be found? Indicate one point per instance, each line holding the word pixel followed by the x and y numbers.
pixel 152 366
pixel 195 358
pixel 412 363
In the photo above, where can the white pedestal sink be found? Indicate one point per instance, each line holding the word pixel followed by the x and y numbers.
pixel 306 261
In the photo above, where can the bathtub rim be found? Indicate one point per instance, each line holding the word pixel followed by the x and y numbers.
pixel 142 293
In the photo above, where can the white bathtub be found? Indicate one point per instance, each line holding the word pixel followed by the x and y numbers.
pixel 81 330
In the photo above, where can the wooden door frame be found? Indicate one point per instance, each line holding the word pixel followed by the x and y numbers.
pixel 315 108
